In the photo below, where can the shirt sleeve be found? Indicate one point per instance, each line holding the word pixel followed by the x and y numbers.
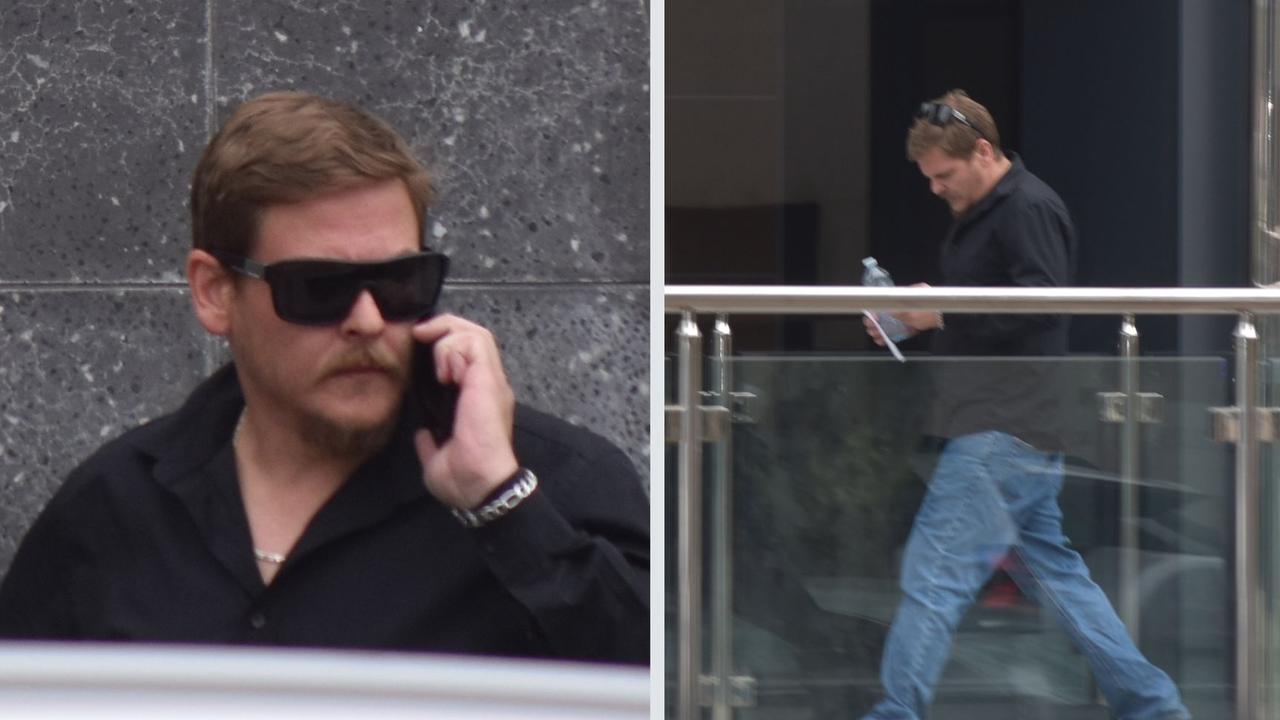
pixel 576 554
pixel 1035 241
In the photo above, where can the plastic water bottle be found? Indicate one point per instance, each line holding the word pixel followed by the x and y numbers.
pixel 875 276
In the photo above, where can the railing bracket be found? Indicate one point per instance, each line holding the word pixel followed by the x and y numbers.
pixel 1111 407
pixel 714 418
pixel 741 690
pixel 742 405
pixel 1226 423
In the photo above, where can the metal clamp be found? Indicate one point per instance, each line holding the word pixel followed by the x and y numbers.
pixel 1226 423
pixel 742 404
pixel 714 419
pixel 741 690
pixel 1111 407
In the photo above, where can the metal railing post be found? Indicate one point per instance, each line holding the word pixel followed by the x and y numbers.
pixel 722 527
pixel 1129 467
pixel 689 520
pixel 1248 679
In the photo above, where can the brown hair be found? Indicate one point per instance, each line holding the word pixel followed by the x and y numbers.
pixel 285 147
pixel 955 138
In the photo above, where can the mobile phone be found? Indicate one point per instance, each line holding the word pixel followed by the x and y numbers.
pixel 436 402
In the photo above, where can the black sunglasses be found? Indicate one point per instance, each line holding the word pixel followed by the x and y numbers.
pixel 321 292
pixel 941 114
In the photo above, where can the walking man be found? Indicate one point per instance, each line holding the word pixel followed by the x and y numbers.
pixel 996 484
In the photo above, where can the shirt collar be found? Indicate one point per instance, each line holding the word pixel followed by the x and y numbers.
pixel 194 460
pixel 1004 187
pixel 192 437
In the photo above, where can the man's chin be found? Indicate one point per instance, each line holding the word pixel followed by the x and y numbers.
pixel 349 436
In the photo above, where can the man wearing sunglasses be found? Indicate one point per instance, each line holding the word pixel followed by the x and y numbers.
pixel 994 490
pixel 298 498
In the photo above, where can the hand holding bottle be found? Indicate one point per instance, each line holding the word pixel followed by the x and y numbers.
pixel 875 276
pixel 897 325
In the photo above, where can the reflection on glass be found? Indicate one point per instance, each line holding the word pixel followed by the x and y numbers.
pixel 829 467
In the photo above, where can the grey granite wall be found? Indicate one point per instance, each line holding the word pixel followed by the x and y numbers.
pixel 533 117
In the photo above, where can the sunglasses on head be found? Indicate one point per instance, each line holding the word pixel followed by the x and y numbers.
pixel 321 292
pixel 941 114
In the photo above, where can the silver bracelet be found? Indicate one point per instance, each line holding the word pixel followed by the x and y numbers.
pixel 525 482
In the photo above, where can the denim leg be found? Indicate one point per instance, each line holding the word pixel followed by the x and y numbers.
pixel 1056 574
pixel 1134 688
pixel 962 529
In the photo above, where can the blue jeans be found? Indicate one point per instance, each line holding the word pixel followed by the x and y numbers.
pixel 990 494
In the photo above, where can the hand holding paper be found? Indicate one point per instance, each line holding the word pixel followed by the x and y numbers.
pixel 887 341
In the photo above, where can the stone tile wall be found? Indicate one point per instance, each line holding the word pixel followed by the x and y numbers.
pixel 533 117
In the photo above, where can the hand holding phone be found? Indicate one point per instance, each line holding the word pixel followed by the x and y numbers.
pixel 466 449
pixel 436 402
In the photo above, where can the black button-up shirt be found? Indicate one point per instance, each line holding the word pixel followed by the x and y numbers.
pixel 148 540
pixel 1020 235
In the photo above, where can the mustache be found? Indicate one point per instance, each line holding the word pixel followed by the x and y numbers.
pixel 366 357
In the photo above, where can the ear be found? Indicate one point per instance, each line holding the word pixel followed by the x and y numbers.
pixel 985 150
pixel 212 291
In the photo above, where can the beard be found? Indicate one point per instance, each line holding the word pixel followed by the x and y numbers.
pixel 329 433
pixel 345 440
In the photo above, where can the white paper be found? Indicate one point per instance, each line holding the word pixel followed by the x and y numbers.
pixel 893 348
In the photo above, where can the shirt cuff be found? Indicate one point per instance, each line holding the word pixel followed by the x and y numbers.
pixel 522 546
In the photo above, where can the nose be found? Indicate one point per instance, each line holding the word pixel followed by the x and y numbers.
pixel 936 187
pixel 364 318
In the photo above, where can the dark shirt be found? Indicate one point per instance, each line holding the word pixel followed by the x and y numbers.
pixel 1019 234
pixel 148 540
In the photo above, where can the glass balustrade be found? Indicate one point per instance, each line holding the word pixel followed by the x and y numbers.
pixel 1269 545
pixel 825 464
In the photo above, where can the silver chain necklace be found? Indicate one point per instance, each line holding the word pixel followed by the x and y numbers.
pixel 268 557
pixel 271 558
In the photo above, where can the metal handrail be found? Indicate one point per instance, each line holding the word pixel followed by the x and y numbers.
pixel 828 300
pixel 1246 303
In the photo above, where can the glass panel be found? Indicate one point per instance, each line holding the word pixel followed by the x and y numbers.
pixel 1188 533
pixel 671 488
pixel 830 465
pixel 1269 544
